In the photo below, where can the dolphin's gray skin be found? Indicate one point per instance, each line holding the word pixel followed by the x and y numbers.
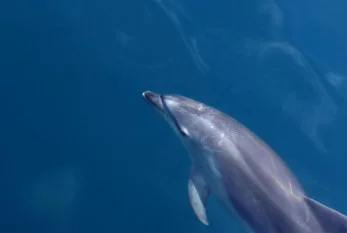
pixel 231 162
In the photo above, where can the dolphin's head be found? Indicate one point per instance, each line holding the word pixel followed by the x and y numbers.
pixel 184 115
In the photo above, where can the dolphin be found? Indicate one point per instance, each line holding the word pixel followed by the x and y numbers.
pixel 242 171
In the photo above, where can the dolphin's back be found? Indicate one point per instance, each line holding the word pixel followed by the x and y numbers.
pixel 261 187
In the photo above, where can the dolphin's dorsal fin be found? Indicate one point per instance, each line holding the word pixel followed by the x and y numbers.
pixel 198 191
pixel 330 219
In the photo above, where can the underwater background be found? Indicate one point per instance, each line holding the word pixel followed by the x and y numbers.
pixel 80 150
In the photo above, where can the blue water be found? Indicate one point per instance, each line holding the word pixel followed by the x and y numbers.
pixel 82 152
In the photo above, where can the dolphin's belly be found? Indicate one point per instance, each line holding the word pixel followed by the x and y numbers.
pixel 213 177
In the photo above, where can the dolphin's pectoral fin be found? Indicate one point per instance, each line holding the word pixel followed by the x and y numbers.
pixel 198 191
pixel 330 219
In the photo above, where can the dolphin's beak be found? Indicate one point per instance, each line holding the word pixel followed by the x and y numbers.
pixel 154 100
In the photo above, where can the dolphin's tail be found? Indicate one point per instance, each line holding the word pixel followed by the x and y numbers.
pixel 330 219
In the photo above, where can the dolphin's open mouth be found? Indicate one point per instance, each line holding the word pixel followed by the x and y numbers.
pixel 154 100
